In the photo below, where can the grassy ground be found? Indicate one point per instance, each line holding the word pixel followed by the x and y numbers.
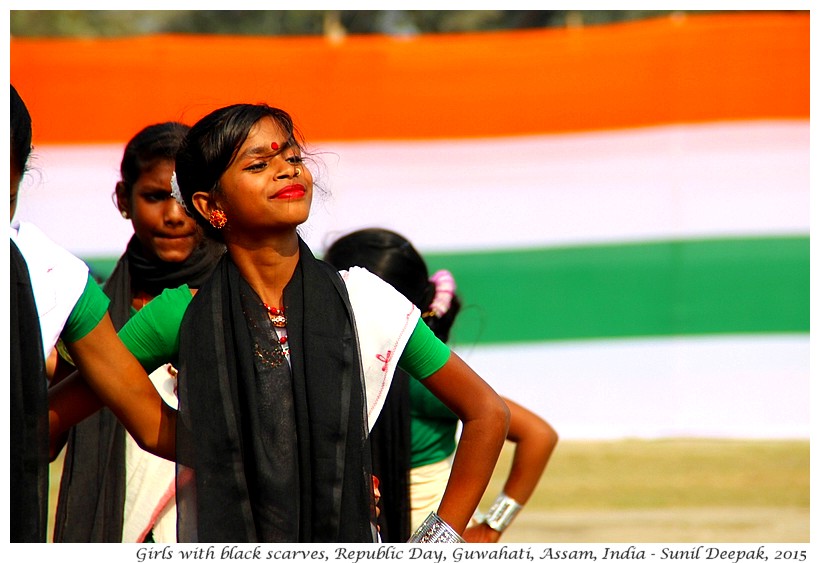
pixel 647 491
pixel 673 491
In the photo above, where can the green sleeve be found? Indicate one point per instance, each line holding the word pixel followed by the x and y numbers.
pixel 152 335
pixel 424 354
pixel 87 313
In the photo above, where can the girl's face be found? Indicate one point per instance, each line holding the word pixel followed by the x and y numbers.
pixel 267 185
pixel 160 223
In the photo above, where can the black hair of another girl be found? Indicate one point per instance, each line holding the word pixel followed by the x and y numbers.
pixel 153 144
pixel 394 259
pixel 20 132
pixel 211 146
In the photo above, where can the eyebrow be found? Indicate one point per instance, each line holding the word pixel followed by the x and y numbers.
pixel 265 149
pixel 255 151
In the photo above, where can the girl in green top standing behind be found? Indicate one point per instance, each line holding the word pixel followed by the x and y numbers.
pixel 112 491
pixel 284 363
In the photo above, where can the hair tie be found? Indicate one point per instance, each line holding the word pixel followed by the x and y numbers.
pixel 176 192
pixel 445 288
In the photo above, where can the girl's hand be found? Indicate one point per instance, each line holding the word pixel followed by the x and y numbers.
pixel 481 533
pixel 377 495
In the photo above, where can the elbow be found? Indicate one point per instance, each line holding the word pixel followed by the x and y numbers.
pixel 55 448
pixel 160 440
pixel 544 438
pixel 491 419
pixel 146 443
pixel 502 414
pixel 549 436
pixel 153 446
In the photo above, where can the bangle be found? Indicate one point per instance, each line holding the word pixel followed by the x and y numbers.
pixel 502 513
pixel 435 530
pixel 477 518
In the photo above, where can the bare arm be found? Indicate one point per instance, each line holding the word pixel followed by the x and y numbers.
pixel 112 374
pixel 534 441
pixel 485 419
pixel 69 402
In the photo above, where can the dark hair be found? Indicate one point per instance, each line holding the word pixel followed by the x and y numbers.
pixel 394 259
pixel 155 143
pixel 20 132
pixel 212 144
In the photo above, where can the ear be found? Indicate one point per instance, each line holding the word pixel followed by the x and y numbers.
pixel 122 199
pixel 203 203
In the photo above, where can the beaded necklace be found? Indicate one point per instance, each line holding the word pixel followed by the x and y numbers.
pixel 279 320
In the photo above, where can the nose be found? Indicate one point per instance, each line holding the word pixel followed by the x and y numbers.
pixel 289 171
pixel 174 213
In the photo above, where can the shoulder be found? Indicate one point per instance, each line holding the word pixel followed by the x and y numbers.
pixel 161 316
pixel 58 278
pixel 380 311
pixel 45 257
pixel 366 284
pixel 164 312
pixel 177 298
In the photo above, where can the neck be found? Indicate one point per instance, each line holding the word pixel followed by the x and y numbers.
pixel 267 265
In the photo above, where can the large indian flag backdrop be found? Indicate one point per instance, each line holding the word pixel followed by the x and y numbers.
pixel 625 208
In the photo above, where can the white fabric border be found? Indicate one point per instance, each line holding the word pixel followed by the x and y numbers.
pixel 385 320
pixel 58 279
pixel 150 481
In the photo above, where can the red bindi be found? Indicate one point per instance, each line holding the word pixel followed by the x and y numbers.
pixel 274 146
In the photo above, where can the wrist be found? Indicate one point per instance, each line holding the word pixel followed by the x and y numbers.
pixel 435 530
pixel 502 512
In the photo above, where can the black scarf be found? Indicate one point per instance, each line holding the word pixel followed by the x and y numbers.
pixel 29 410
pixel 390 439
pixel 268 453
pixel 92 489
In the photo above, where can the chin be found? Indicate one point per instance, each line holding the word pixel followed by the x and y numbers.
pixel 173 256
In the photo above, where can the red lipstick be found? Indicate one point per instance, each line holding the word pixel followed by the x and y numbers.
pixel 290 192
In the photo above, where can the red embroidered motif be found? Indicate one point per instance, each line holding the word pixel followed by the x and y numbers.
pixel 385 359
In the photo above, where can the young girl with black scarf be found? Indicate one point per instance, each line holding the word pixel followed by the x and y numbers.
pixel 111 490
pixel 284 364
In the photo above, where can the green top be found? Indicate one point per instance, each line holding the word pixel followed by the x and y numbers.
pixel 90 308
pixel 432 427
pixel 152 335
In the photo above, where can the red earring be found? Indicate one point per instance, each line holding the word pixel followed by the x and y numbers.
pixel 217 218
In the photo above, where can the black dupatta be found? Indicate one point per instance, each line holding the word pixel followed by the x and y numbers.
pixel 268 452
pixel 92 488
pixel 29 410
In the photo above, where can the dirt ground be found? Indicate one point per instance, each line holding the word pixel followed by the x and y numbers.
pixel 602 492
pixel 669 525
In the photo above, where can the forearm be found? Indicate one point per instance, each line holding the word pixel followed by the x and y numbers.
pixel 120 382
pixel 535 441
pixel 475 458
pixel 139 407
pixel 485 419
pixel 69 402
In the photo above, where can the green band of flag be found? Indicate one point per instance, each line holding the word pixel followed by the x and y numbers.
pixel 681 287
